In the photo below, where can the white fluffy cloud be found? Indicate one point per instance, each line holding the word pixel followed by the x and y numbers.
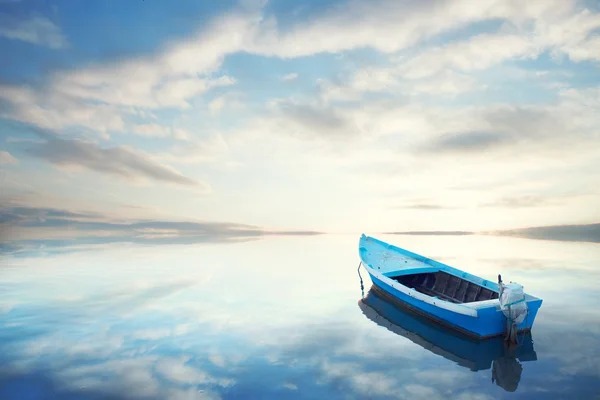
pixel 52 110
pixel 567 32
pixel 100 97
pixel 181 71
pixel 561 28
pixel 160 131
pixel 390 26
pixel 479 52
pixel 387 26
pixel 289 77
pixel 129 86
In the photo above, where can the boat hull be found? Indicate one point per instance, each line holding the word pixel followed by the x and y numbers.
pixel 475 355
pixel 490 322
pixel 479 320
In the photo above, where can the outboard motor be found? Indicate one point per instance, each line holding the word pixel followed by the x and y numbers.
pixel 513 306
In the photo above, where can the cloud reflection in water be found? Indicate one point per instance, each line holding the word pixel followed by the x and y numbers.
pixel 275 318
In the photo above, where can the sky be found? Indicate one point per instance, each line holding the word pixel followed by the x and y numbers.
pixel 297 117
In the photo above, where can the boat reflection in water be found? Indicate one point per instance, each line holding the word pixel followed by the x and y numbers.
pixel 466 352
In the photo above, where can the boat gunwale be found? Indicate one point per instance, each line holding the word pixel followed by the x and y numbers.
pixel 440 303
pixel 491 285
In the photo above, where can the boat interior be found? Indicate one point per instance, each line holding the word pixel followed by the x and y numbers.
pixel 447 287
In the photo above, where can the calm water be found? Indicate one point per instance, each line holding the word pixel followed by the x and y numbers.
pixel 283 318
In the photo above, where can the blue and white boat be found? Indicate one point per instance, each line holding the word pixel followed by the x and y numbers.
pixel 456 299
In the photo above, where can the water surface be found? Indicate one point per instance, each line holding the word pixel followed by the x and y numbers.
pixel 284 317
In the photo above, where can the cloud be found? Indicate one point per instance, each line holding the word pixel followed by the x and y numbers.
pixel 232 101
pixel 561 28
pixel 403 128
pixel 527 121
pixel 218 360
pixel 191 394
pixel 501 124
pixel 100 97
pixel 213 148
pixel 22 215
pixel 129 86
pixel 312 120
pixel 539 128
pixel 338 360
pixel 586 50
pixel 476 53
pixel 391 80
pixel 216 105
pixel 55 111
pixel 167 79
pixel 447 82
pixel 416 391
pixel 117 161
pixel 158 333
pixel 289 77
pixel 522 202
pixel 181 71
pixel 177 371
pixel 290 386
pixel 318 363
pixel 151 130
pixel 37 30
pixel 7 159
pixel 161 131
pixel 433 233
pixel 429 146
pixel 401 111
pixel 404 24
pixel 423 206
pixel 129 375
pixel 468 141
pixel 23 228
pixel 569 233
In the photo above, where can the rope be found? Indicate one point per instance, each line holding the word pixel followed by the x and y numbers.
pixel 362 287
pixel 512 334
pixel 515 302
